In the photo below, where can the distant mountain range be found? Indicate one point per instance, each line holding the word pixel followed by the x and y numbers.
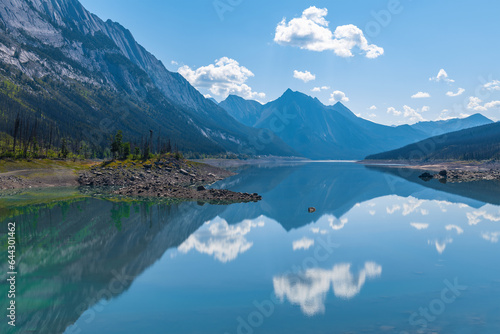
pixel 436 128
pixel 65 69
pixel 478 143
pixel 69 74
pixel 333 132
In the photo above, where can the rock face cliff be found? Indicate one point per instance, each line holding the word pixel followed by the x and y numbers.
pixel 67 67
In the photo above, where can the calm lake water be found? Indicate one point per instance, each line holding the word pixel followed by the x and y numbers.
pixel 384 253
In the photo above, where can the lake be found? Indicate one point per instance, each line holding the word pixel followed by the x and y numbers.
pixel 385 252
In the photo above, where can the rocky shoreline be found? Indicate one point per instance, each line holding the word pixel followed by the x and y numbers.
pixel 165 178
pixel 452 172
pixel 458 176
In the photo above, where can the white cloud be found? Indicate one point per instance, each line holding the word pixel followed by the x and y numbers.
pixel 458 93
pixel 373 107
pixel 207 96
pixel 311 32
pixel 173 62
pixel 225 242
pixel 475 103
pixel 454 227
pixel 319 89
pixel 414 115
pixel 420 226
pixel 304 243
pixel 223 78
pixel 393 111
pixel 442 76
pixel 420 95
pixel 446 115
pixel 304 76
pixel 309 289
pixel 492 85
pixel 337 96
pixel 491 236
pixel 492 104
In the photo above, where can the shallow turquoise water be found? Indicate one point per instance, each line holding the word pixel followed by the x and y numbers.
pixel 384 253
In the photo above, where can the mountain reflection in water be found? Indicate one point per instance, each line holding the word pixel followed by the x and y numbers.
pixel 388 240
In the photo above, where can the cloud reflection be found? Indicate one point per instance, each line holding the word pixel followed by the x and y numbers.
pixel 304 243
pixel 441 245
pixel 309 289
pixel 454 227
pixel 225 242
pixel 491 236
pixel 420 226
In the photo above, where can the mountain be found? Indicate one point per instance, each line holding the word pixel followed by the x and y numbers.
pixel 329 132
pixel 435 128
pixel 478 143
pixel 63 68
pixel 247 112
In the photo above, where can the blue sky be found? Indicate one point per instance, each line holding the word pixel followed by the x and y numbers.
pixel 260 45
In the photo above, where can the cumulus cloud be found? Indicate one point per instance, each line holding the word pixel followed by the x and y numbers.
pixel 420 95
pixel 373 107
pixel 411 115
pixel 311 32
pixel 319 89
pixel 492 85
pixel 338 96
pixel 458 93
pixel 393 111
pixel 309 289
pixel 304 76
pixel 475 103
pixel 304 243
pixel 492 104
pixel 219 239
pixel 173 62
pixel 442 76
pixel 414 115
pixel 222 78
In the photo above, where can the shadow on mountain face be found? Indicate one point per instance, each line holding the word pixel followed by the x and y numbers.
pixel 332 188
pixel 72 255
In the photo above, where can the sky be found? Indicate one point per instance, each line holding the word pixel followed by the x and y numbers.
pixel 389 61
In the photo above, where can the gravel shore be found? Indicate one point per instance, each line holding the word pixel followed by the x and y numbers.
pixel 165 178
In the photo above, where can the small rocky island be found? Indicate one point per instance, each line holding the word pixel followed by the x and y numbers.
pixel 163 178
